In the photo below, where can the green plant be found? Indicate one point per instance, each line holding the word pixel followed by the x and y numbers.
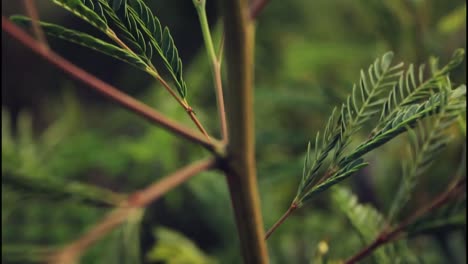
pixel 389 100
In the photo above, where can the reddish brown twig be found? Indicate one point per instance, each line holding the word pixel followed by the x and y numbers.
pixel 392 234
pixel 290 210
pixel 72 252
pixel 31 10
pixel 104 88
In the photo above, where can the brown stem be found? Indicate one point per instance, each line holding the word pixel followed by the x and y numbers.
pixel 104 88
pixel 72 252
pixel 241 169
pixel 365 251
pixel 31 10
pixel 291 209
pixel 387 236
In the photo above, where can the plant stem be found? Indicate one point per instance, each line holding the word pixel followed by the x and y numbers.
pixel 291 209
pixel 241 168
pixel 107 90
pixel 389 235
pixel 215 65
pixel 72 252
pixel 295 204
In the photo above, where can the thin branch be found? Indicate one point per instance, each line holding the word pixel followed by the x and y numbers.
pixel 390 235
pixel 72 252
pixel 215 65
pixel 257 7
pixel 295 205
pixel 186 106
pixel 290 210
pixel 31 10
pixel 153 72
pixel 107 90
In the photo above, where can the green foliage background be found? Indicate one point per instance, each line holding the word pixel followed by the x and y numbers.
pixel 308 55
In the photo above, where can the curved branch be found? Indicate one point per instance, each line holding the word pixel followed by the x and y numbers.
pixel 107 90
pixel 71 252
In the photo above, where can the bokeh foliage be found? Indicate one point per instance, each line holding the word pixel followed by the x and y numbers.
pixel 308 55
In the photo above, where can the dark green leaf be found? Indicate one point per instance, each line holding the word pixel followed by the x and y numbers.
pixel 78 8
pixel 86 41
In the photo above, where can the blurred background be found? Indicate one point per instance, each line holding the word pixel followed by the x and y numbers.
pixel 308 55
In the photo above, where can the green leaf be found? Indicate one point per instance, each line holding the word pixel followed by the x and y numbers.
pixel 117 4
pixel 366 100
pixel 346 171
pixel 411 90
pixel 323 145
pixel 57 189
pixel 408 116
pixel 174 248
pixel 85 40
pixel 132 23
pixel 365 219
pixel 369 99
pixel 161 40
pixel 454 21
pixel 427 140
pixel 78 8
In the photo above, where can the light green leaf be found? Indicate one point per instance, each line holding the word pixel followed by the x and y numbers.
pixel 365 219
pixel 411 90
pixel 427 140
pixel 408 117
pixel 174 248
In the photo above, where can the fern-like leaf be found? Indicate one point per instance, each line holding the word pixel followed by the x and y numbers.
pixel 366 99
pixel 365 219
pixel 161 40
pixel 427 140
pixel 85 40
pixel 335 177
pixel 81 10
pixel 134 27
pixel 323 147
pixel 363 104
pixel 412 90
pixel 407 117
